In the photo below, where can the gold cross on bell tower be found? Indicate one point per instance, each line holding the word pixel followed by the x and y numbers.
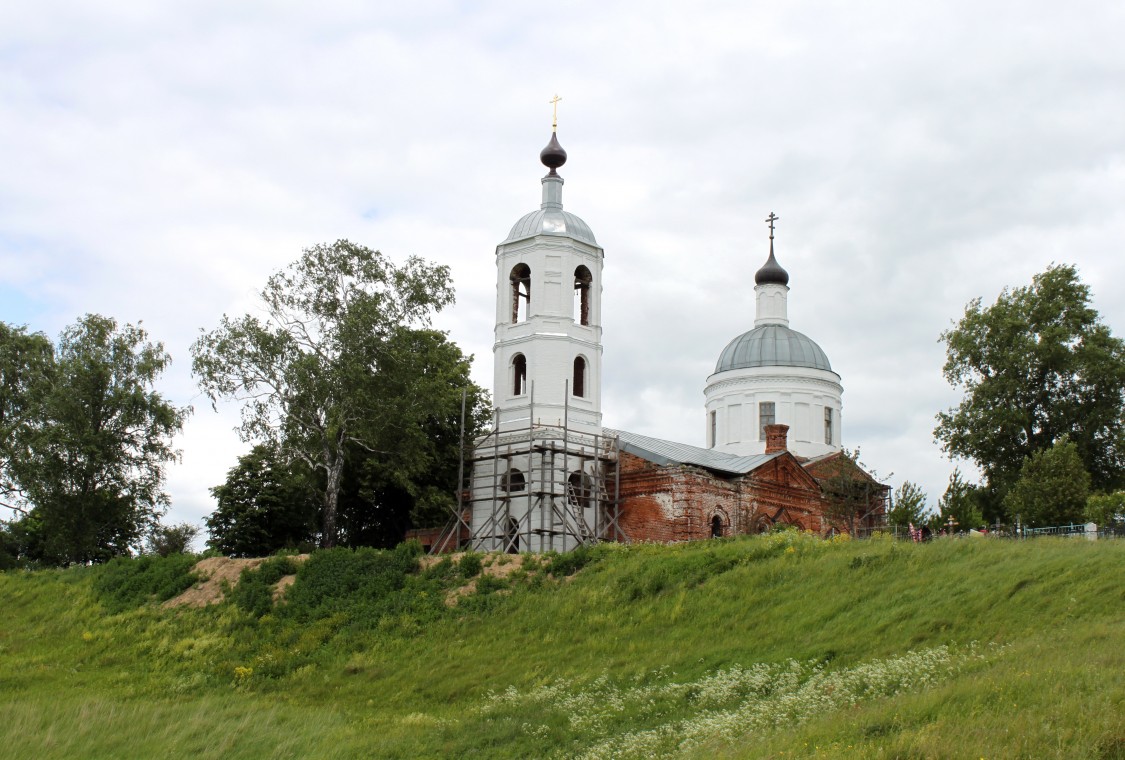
pixel 555 118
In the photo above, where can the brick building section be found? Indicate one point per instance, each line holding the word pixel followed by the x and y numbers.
pixel 662 500
pixel 451 538
pixel 678 502
pixel 832 466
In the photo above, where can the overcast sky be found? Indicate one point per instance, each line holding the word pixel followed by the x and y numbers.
pixel 159 160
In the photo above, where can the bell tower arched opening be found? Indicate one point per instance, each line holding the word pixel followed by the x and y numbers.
pixel 519 375
pixel 578 384
pixel 520 280
pixel 582 282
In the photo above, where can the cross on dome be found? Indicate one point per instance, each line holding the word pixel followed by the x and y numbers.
pixel 771 272
pixel 553 156
pixel 555 117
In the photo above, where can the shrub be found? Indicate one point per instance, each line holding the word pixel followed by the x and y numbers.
pixel 470 565
pixel 171 539
pixel 254 592
pixel 569 563
pixel 357 582
pixel 442 569
pixel 124 583
pixel 487 584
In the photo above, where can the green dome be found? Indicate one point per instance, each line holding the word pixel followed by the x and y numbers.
pixel 772 346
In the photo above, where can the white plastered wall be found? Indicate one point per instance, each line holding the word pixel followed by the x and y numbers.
pixel 799 395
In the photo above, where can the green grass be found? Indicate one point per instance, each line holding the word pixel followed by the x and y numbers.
pixel 777 646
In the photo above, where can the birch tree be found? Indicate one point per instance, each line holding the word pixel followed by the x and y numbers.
pixel 312 371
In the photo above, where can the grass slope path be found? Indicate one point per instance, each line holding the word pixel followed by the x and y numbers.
pixel 779 646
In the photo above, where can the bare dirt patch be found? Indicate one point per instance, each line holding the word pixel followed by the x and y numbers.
pixel 217 572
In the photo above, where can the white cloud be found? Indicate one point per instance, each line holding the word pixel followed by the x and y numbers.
pixel 160 161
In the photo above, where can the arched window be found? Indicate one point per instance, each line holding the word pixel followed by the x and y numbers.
pixel 514 481
pixel 519 375
pixel 578 490
pixel 716 527
pixel 579 385
pixel 521 291
pixel 582 281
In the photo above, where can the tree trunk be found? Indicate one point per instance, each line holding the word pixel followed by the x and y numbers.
pixel 331 499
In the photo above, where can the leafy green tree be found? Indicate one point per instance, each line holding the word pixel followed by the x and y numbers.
pixel 908 505
pixel 329 369
pixel 165 540
pixel 1105 508
pixel 25 374
pixel 267 503
pixel 92 441
pixel 1052 488
pixel 1036 366
pixel 413 485
pixel 9 547
pixel 961 502
pixel 22 541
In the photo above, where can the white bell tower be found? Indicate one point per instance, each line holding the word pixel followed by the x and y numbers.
pixel 539 479
pixel 548 348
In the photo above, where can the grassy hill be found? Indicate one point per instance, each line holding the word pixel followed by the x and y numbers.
pixel 776 646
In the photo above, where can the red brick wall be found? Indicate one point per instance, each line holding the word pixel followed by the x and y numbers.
pixel 429 536
pixel 838 465
pixel 677 502
pixel 648 511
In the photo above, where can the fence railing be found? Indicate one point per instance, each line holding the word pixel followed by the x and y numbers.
pixel 1062 530
pixel 1075 530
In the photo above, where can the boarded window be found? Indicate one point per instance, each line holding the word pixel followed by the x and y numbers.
pixel 521 292
pixel 828 425
pixel 714 429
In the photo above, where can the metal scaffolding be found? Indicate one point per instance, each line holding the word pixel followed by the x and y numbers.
pixel 538 488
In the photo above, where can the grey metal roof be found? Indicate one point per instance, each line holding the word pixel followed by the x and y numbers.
pixel 551 221
pixel 659 451
pixel 772 346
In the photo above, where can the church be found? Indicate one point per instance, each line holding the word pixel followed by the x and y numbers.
pixel 549 476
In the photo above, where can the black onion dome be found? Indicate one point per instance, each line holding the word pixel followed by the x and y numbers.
pixel 771 272
pixel 553 156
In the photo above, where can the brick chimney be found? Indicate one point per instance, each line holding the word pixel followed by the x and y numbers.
pixel 776 438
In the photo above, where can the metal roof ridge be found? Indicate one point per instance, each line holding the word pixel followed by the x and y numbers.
pixel 661 451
